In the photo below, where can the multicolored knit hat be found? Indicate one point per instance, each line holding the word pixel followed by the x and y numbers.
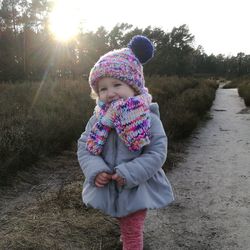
pixel 124 64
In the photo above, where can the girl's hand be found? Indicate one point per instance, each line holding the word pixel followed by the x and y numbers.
pixel 102 179
pixel 120 181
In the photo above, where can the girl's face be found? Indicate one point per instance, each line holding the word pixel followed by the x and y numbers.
pixel 110 89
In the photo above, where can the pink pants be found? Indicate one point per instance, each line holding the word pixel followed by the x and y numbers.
pixel 131 227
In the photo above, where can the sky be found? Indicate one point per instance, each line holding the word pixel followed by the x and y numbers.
pixel 219 26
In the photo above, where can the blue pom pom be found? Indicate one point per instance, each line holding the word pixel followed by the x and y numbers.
pixel 142 47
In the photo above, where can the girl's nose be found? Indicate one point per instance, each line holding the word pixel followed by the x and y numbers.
pixel 111 94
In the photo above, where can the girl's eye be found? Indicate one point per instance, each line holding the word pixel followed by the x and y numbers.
pixel 102 89
pixel 117 84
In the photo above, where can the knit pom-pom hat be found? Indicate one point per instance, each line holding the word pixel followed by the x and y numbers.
pixel 124 64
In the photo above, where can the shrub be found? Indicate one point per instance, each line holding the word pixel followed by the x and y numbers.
pixel 45 118
pixel 231 85
pixel 183 101
pixel 244 92
pixel 40 119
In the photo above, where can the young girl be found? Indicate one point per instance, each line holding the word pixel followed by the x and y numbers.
pixel 124 146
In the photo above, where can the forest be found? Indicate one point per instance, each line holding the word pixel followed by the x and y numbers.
pixel 28 50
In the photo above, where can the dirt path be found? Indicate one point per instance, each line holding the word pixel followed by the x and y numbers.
pixel 212 186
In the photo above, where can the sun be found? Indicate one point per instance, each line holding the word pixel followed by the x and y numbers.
pixel 65 19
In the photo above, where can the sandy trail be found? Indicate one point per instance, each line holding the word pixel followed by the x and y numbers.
pixel 211 185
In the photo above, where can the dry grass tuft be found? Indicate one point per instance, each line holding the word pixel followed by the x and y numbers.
pixel 52 215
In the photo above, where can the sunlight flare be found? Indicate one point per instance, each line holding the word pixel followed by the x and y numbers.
pixel 65 19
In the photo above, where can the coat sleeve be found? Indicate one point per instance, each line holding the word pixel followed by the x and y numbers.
pixel 142 168
pixel 90 164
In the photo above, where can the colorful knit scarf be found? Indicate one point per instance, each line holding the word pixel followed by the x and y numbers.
pixel 130 118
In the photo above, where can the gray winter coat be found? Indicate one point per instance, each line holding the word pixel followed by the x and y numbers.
pixel 146 183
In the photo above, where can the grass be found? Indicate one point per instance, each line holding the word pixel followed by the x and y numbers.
pixel 44 208
pixel 244 92
pixel 49 225
pixel 232 84
pixel 40 119
pixel 243 85
pixel 56 217
pixel 46 118
pixel 183 102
